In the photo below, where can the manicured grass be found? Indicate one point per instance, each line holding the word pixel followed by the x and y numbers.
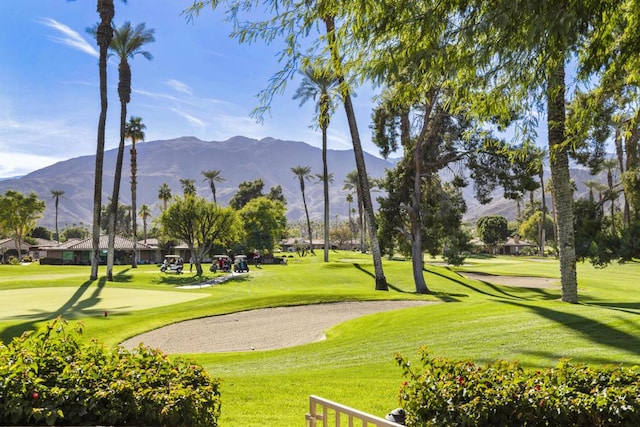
pixel 86 301
pixel 354 366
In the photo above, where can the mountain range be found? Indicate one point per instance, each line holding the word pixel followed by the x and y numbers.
pixel 167 161
pixel 238 159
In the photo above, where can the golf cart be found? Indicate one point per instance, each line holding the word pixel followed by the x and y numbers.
pixel 240 264
pixel 172 263
pixel 220 262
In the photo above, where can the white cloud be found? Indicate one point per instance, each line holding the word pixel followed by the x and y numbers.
pixel 70 37
pixel 191 119
pixel 179 86
pixel 37 137
pixel 18 164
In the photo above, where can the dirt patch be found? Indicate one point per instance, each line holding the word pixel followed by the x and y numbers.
pixel 264 329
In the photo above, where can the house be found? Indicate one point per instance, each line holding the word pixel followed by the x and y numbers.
pixel 515 246
pixel 8 249
pixel 512 246
pixel 78 252
pixel 38 250
pixel 181 249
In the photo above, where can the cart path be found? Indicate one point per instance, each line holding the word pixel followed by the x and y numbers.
pixel 262 329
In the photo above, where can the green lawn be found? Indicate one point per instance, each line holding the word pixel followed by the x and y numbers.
pixel 476 320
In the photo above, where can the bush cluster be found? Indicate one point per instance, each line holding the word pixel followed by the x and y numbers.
pixel 461 393
pixel 53 377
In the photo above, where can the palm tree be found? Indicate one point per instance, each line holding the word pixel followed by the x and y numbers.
pixel 345 95
pixel 56 196
pixel 591 184
pixel 349 200
pixel 322 84
pixel 188 186
pixel 610 165
pixel 134 130
pixel 126 44
pixel 553 213
pixel 325 184
pixel 213 176
pixel 302 173
pixel 144 213
pixel 164 194
pixel 539 154
pixel 351 183
pixel 104 34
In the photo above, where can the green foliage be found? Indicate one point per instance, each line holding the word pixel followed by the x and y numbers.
pixel 592 239
pixel 74 232
pixel 247 190
pixel 630 242
pixel 123 219
pixel 492 229
pixel 275 194
pixel 200 224
pixel 441 209
pixel 264 222
pixel 456 247
pixel 41 232
pixel 529 228
pixel 450 392
pixel 18 214
pixel 52 377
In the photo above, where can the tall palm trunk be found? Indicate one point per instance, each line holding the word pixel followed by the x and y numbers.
pixel 306 213
pixel 57 233
pixel 612 208
pixel 543 232
pixel 363 180
pixel 134 187
pixel 325 186
pixel 559 162
pixel 124 92
pixel 361 223
pixel 626 217
pixel 106 11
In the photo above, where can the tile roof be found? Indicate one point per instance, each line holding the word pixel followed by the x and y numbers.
pixel 87 244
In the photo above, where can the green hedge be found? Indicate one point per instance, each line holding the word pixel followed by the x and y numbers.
pixel 52 377
pixel 461 393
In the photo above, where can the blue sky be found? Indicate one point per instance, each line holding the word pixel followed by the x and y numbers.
pixel 200 83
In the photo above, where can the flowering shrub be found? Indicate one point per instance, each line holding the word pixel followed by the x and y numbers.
pixel 51 377
pixel 461 393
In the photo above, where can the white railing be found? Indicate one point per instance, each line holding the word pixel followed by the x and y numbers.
pixel 325 413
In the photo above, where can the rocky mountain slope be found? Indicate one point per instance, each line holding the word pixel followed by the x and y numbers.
pixel 239 159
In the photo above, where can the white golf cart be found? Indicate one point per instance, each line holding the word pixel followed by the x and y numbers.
pixel 240 264
pixel 172 263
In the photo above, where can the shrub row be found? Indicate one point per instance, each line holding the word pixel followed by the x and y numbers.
pixel 53 377
pixel 461 393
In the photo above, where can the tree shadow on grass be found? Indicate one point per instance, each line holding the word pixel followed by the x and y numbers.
pixel 123 276
pixel 625 307
pixel 373 276
pixel 445 297
pixel 592 330
pixel 69 310
pixel 499 291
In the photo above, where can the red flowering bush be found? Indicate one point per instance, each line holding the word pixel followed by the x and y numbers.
pixel 460 393
pixel 51 377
